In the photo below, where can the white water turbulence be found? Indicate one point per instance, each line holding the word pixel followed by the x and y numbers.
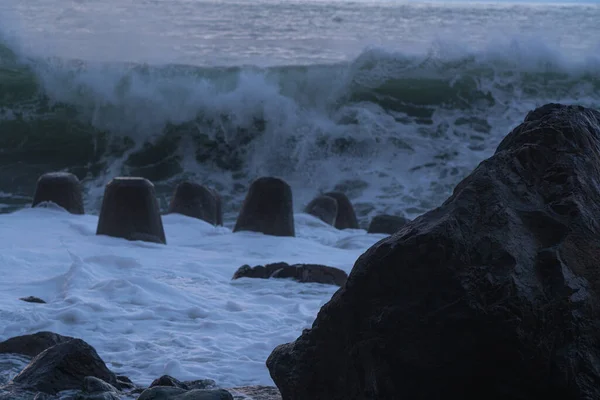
pixel 391 102
pixel 151 309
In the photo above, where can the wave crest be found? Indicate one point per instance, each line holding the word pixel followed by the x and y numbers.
pixel 395 131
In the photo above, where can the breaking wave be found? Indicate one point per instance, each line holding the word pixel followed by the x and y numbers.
pixel 395 131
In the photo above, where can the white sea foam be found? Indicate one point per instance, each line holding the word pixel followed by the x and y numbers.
pixel 151 309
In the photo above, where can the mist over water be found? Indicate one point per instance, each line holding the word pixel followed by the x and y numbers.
pixel 393 103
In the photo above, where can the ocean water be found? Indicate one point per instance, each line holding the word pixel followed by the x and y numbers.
pixel 392 102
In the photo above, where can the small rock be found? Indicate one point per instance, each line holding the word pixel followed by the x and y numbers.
pixel 303 273
pixel 167 380
pixel 125 382
pixel 63 367
pixel 32 299
pixel 91 384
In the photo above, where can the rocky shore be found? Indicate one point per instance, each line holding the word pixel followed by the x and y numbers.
pixel 47 366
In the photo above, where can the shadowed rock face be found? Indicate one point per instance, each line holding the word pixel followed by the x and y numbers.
pixel 323 207
pixel 267 208
pixel 492 295
pixel 197 201
pixel 61 188
pixel 130 211
pixel 387 224
pixel 299 272
pixel 346 217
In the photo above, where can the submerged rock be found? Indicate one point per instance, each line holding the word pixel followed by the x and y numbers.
pixel 388 224
pixel 323 207
pixel 299 272
pixel 493 295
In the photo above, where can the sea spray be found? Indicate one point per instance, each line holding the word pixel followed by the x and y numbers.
pixel 395 131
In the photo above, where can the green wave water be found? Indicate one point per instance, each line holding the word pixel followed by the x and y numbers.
pixel 395 132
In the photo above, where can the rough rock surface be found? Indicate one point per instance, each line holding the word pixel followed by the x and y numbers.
pixel 174 393
pixel 493 295
pixel 267 208
pixel 299 272
pixel 63 366
pixel 91 384
pixel 255 393
pixel 32 345
pixel 346 217
pixel 323 207
pixel 388 224
pixel 197 201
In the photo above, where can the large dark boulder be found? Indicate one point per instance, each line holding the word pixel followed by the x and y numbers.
pixel 32 345
pixel 267 208
pixel 323 207
pixel 61 188
pixel 63 366
pixel 387 224
pixel 197 201
pixel 130 211
pixel 493 295
pixel 346 217
pixel 299 272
